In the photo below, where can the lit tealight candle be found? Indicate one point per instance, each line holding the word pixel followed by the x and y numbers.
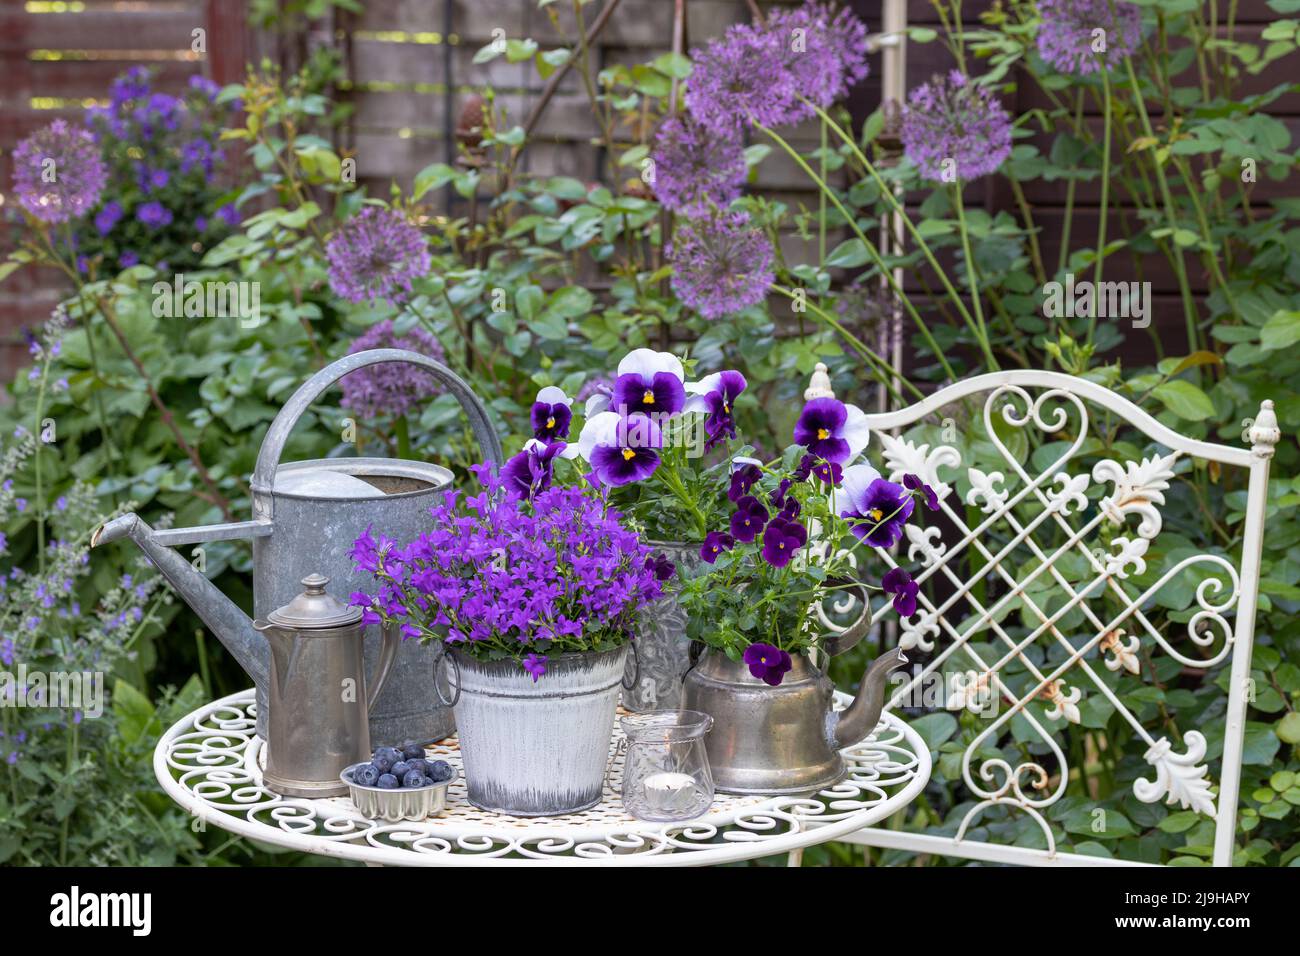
pixel 664 791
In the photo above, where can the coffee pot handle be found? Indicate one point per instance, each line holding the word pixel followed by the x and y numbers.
pixel 268 457
pixel 384 666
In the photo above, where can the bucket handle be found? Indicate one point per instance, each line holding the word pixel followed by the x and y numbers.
pixel 268 457
pixel 437 671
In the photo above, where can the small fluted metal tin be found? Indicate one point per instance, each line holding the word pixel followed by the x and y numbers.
pixel 394 806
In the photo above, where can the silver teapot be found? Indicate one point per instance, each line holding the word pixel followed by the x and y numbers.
pixel 320 698
pixel 783 739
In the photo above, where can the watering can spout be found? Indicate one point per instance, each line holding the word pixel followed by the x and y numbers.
pixel 861 716
pixel 222 616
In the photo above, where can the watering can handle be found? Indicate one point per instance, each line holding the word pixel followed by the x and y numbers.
pixel 268 458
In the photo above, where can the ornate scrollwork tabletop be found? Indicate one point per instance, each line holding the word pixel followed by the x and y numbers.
pixel 210 763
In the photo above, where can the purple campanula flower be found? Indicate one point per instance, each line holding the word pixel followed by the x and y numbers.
pixel 620 449
pixel 154 214
pixel 391 388
pixel 58 173
pixel 716 395
pixel 954 128
pixel 531 470
pixel 876 508
pixel 745 473
pixel 769 664
pixel 1067 34
pixel 721 265
pixel 749 518
pixel 551 414
pixel 695 168
pixel 831 430
pixel 107 217
pixel 781 539
pixel 535 664
pixel 649 382
pixel 716 542
pixel 900 584
pixel 913 483
pixel 377 254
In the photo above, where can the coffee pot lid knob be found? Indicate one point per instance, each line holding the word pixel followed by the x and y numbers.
pixel 314 608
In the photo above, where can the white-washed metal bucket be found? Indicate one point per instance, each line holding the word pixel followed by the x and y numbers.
pixel 536 748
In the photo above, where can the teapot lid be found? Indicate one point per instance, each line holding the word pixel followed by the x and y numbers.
pixel 315 608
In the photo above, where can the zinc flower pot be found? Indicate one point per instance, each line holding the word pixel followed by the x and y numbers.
pixel 536 747
pixel 663 651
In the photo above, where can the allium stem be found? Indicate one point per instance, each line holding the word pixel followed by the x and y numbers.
pixel 885 271
pixel 1105 197
pixel 972 277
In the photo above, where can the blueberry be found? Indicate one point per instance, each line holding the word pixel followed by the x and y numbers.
pixel 440 770
pixel 413 779
pixel 392 753
pixel 387 782
pixel 412 751
pixel 420 765
pixel 382 762
pixel 400 769
pixel 367 776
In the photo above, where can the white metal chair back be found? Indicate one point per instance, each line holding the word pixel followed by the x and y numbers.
pixel 1067 547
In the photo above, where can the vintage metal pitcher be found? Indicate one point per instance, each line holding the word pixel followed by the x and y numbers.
pixel 306 515
pixel 320 698
pixel 783 739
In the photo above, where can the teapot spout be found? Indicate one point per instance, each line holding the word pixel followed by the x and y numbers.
pixel 222 616
pixel 860 718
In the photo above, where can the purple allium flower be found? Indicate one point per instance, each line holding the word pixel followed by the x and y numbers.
pixel 650 382
pixel 954 130
pixel 715 395
pixel 696 168
pixel 721 265
pixel 535 664
pixel 749 518
pixel 620 449
pixel 741 76
pixel 1067 35
pixel 391 388
pixel 769 664
pixel 831 430
pixel 825 46
pixel 108 216
pixel 154 214
pixel 58 173
pixel 716 542
pixel 745 473
pixel 551 414
pixel 530 471
pixel 376 254
pixel 876 508
pixel 781 539
pixel 900 584
pixel 913 483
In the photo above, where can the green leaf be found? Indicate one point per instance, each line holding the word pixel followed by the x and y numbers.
pixel 431 177
pixel 935 728
pixel 529 301
pixel 1288 728
pixel 1261 743
pixel 674 65
pixel 1180 822
pixel 848 255
pixel 1184 399
pixel 1281 331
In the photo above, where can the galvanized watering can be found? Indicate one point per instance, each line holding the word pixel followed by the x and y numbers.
pixel 306 515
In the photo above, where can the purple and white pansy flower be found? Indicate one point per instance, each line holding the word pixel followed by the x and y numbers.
pixel 552 414
pixel 832 430
pixel 875 507
pixel 649 382
pixel 530 471
pixel 620 448
pixel 715 397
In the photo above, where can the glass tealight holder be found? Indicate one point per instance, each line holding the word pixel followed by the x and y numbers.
pixel 666 774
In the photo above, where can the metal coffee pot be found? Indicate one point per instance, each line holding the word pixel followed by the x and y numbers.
pixel 306 515
pixel 320 698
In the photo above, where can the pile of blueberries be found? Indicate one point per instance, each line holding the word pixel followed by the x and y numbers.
pixel 393 769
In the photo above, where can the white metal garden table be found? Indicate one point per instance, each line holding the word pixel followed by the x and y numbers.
pixel 209 762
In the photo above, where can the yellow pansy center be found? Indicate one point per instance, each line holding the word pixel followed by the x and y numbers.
pixel 628 454
pixel 823 434
pixel 648 398
pixel 875 514
pixel 550 422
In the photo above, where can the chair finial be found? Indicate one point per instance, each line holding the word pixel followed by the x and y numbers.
pixel 819 384
pixel 1264 432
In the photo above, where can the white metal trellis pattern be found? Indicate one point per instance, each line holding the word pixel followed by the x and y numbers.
pixel 209 762
pixel 1027 525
